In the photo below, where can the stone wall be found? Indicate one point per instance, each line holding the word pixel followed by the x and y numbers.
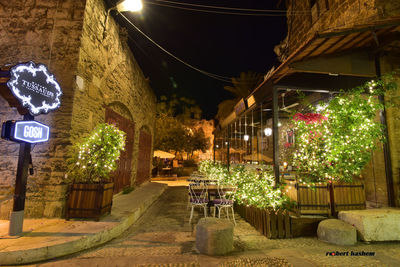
pixel 67 36
pixel 48 32
pixel 109 75
pixel 303 20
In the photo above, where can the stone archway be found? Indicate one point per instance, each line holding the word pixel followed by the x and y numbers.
pixel 144 156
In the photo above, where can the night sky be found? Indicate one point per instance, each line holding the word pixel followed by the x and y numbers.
pixel 217 43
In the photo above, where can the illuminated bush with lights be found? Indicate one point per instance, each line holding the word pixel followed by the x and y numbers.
pixel 95 157
pixel 336 144
pixel 256 187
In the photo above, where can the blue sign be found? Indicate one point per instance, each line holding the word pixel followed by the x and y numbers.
pixel 31 131
pixel 25 131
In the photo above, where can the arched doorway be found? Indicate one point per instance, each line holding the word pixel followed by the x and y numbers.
pixel 122 175
pixel 144 157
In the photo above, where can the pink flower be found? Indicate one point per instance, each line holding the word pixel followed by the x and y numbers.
pixel 309 118
pixel 287 145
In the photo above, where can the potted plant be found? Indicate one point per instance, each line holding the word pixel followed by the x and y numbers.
pixel 333 146
pixel 92 160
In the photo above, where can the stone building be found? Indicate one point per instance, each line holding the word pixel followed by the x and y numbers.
pixel 101 82
pixel 330 45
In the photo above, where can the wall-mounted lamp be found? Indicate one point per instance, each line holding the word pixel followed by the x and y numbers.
pixel 129 5
pixel 246 137
pixel 268 131
pixel 122 6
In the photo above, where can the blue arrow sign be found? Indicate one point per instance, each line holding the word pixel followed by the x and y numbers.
pixel 31 131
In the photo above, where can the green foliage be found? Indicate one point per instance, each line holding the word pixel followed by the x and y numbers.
pixel 173 126
pixel 242 87
pixel 95 156
pixel 256 187
pixel 170 134
pixel 244 84
pixel 181 108
pixel 127 190
pixel 338 145
pixel 197 141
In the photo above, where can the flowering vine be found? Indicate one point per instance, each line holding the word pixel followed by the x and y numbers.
pixel 336 143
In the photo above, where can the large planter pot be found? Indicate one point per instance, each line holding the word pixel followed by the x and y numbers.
pixel 326 198
pixel 89 200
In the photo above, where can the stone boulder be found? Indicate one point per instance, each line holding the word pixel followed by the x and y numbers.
pixel 337 232
pixel 214 236
pixel 374 224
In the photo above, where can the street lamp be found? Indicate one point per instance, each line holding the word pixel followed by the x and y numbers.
pixel 122 6
pixel 129 5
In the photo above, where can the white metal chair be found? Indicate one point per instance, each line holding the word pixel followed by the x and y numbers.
pixel 225 200
pixel 198 198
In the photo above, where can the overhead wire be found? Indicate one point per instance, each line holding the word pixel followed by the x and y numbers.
pixel 209 74
pixel 219 12
pixel 280 12
pixel 221 7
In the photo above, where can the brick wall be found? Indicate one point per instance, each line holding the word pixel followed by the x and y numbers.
pixel 67 36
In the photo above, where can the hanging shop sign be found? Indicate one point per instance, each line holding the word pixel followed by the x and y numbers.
pixel 35 87
pixel 25 131
pixel 240 107
pixel 250 101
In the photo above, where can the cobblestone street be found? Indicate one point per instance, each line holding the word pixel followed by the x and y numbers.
pixel 163 237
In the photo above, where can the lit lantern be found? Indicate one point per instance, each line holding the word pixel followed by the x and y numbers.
pixel 268 131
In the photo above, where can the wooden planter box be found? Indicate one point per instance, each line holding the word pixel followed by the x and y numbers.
pixel 326 199
pixel 89 200
pixel 272 224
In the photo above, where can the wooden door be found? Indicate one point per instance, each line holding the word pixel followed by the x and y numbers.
pixel 144 158
pixel 122 175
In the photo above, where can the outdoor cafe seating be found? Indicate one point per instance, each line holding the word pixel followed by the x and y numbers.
pixel 206 193
pixel 198 198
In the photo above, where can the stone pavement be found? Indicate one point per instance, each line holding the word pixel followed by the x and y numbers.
pixel 44 239
pixel 163 237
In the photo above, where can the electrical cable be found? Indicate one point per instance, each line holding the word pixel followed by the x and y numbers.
pixel 220 7
pixel 232 8
pixel 215 76
pixel 219 12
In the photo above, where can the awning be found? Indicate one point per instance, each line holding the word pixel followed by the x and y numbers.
pixel 163 154
pixel 304 68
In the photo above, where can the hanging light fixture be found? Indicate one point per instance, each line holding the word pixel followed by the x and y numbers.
pixel 246 137
pixel 129 5
pixel 122 6
pixel 268 131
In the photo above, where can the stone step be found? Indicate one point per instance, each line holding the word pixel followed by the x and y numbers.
pixel 374 224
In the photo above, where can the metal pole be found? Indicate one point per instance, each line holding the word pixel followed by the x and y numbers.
pixel 386 147
pixel 214 148
pixel 275 133
pixel 17 215
pixel 227 147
